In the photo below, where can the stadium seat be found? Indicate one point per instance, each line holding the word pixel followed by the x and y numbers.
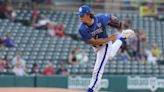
pixel 38 47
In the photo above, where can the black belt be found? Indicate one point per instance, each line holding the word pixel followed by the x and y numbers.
pixel 97 45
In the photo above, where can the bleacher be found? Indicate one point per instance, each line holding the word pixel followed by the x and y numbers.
pixel 37 47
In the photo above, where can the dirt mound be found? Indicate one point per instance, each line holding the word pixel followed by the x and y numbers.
pixel 8 89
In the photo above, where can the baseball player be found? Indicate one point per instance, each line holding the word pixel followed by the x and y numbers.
pixel 93 31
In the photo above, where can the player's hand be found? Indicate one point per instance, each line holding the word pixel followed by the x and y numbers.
pixel 113 37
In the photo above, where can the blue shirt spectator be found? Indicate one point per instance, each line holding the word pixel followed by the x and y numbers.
pixel 62 70
pixel 9 42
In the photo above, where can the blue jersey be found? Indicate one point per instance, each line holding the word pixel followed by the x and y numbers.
pixel 97 29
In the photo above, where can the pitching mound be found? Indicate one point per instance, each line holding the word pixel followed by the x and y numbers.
pixel 37 90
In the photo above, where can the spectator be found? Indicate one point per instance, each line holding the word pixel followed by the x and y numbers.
pixel 62 70
pixel 35 70
pixel 11 14
pixel 141 56
pixel 1 42
pixel 19 60
pixel 55 29
pixel 152 8
pixel 42 22
pixel 8 41
pixel 35 13
pixel 72 59
pixel 49 2
pixel 150 58
pixel 7 11
pixel 82 57
pixel 78 57
pixel 33 4
pixel 3 9
pixel 148 8
pixel 18 70
pixel 7 59
pixel 37 3
pixel 50 29
pixel 2 64
pixel 59 30
pixel 155 51
pixel 142 36
pixel 127 23
pixel 49 70
pixel 133 45
pixel 124 56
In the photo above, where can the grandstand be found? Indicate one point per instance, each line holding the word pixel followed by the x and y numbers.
pixel 38 47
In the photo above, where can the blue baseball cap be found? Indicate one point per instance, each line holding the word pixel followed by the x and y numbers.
pixel 84 9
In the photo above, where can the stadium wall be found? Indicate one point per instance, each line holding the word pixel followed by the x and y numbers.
pixel 117 83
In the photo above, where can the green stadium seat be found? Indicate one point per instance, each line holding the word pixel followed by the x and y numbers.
pixel 38 47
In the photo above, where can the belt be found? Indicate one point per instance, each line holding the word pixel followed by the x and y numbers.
pixel 97 45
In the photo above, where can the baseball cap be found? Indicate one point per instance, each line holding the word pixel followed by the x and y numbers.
pixel 84 9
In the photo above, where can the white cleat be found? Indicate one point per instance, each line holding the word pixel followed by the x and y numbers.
pixel 128 33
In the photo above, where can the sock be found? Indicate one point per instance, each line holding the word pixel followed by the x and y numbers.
pixel 115 46
pixel 90 90
pixel 122 39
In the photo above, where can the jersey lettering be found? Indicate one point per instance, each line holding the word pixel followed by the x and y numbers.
pixel 97 31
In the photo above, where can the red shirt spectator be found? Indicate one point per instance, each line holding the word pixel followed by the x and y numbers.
pixel 55 29
pixel 59 30
pixel 2 64
pixel 3 9
pixel 48 2
pixel 49 70
pixel 35 13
